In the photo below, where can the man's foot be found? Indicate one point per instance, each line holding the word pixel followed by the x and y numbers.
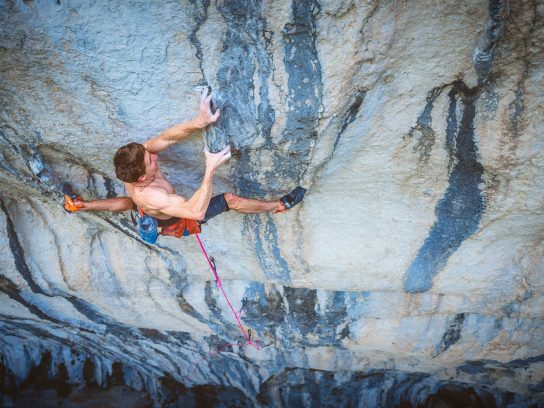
pixel 72 203
pixel 292 199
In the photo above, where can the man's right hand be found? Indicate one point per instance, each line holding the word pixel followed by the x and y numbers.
pixel 214 160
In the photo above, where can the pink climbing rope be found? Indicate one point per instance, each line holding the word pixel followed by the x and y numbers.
pixel 218 282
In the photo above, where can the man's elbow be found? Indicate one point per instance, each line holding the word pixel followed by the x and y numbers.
pixel 190 214
pixel 200 215
pixel 197 215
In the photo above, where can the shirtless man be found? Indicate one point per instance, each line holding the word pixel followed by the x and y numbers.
pixel 137 166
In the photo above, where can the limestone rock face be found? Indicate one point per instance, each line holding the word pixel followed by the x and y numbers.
pixel 413 270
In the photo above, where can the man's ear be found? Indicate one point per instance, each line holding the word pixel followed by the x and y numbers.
pixel 142 178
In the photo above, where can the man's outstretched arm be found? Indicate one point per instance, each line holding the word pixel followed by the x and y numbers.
pixel 182 131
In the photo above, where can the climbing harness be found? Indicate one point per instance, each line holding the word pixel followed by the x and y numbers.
pixel 247 335
pixel 150 227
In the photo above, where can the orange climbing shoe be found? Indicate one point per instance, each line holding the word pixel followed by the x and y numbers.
pixel 72 203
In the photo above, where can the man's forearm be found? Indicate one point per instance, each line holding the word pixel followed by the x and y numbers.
pixel 109 204
pixel 173 135
pixel 182 131
pixel 200 200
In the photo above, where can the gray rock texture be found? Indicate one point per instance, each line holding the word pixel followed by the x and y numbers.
pixel 412 273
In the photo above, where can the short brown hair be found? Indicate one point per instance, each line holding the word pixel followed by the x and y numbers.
pixel 129 162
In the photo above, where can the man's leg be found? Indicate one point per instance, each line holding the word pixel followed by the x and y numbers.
pixel 250 206
pixel 109 204
pixel 229 201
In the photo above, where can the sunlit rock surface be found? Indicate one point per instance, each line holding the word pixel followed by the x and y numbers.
pixel 411 274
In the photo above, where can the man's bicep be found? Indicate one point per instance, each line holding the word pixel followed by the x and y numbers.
pixel 179 207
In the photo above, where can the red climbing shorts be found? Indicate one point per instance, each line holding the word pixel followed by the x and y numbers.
pixel 181 227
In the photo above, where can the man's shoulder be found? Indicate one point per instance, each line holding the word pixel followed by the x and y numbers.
pixel 152 197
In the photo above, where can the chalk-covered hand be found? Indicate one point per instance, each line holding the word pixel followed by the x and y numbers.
pixel 214 160
pixel 205 116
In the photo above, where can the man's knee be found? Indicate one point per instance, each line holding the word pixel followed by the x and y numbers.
pixel 232 200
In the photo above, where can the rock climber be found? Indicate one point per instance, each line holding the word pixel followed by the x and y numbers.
pixel 155 198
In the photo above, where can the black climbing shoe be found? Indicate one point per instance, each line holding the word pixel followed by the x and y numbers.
pixel 292 199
